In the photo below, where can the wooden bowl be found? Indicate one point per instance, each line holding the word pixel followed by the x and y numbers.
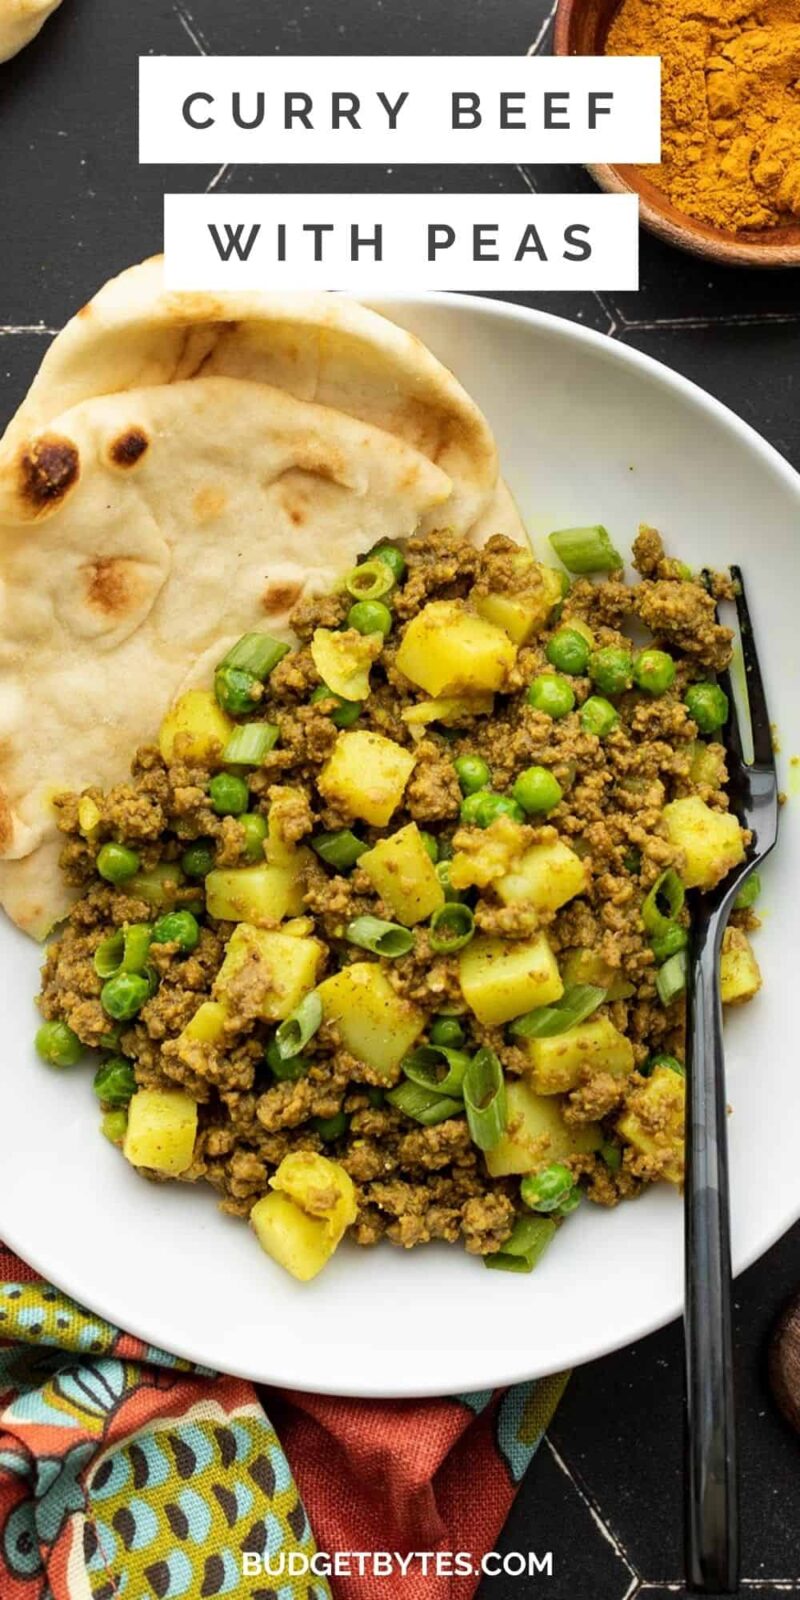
pixel 581 29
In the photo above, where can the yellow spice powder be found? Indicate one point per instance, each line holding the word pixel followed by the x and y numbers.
pixel 730 104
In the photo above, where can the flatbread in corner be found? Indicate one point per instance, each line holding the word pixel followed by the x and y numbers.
pixel 142 532
pixel 20 21
pixel 320 347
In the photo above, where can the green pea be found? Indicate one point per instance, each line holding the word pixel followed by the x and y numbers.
pixel 198 860
pixel 472 773
pixel 468 810
pixel 749 893
pixel 178 927
pixel 114 1082
pixel 662 1060
pixel 237 691
pixel 124 995
pixel 58 1045
pixel 431 845
pixel 569 651
pixel 330 1128
pixel 668 943
pixel 370 616
pixel 569 1203
pixel 654 671
pixel 598 716
pixel 632 861
pixel 394 558
pixel 546 1190
pixel 612 1155
pixel 228 794
pixel 490 806
pixel 346 711
pixel 707 705
pixel 287 1069
pixel 255 832
pixel 447 1032
pixel 114 1126
pixel 552 694
pixel 537 790
pixel 611 669
pixel 116 863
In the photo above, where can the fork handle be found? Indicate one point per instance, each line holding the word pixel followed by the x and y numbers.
pixel 712 1512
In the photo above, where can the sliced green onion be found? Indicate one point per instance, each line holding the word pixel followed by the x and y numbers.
pixel 294 1032
pixel 611 1155
pixel 485 1099
pixel 249 743
pixel 749 893
pixel 370 580
pixel 575 1006
pixel 436 1067
pixel 671 978
pixel 527 1242
pixel 258 653
pixel 126 950
pixel 668 943
pixel 586 549
pixel 443 869
pixel 340 850
pixel 451 927
pixel 667 887
pixel 423 1105
pixel 382 938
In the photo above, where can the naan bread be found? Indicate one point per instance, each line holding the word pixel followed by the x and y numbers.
pixel 141 533
pixel 20 21
pixel 319 347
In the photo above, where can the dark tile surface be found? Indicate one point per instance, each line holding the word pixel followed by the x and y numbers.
pixel 605 1495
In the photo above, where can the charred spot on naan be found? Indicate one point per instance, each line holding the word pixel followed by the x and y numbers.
pixel 113 586
pixel 48 469
pixel 128 447
pixel 280 595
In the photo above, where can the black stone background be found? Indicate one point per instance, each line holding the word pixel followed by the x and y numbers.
pixel 604 1492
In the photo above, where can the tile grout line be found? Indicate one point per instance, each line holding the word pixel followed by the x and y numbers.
pixel 533 49
pixel 608 1534
pixel 190 27
pixel 735 320
pixel 30 327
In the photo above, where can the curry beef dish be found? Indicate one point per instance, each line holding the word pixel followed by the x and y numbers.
pixel 387 936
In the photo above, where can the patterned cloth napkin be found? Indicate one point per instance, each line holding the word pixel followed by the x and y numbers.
pixel 128 1474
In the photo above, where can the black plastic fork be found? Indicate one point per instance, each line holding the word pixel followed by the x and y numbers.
pixel 712 1512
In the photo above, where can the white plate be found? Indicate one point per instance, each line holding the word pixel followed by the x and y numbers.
pixel 589 431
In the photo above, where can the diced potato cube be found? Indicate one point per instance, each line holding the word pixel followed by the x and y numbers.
pixel 450 710
pixel 260 895
pixel 654 1122
pixel 484 855
pixel 375 1024
pixel 299 1243
pixel 547 876
pixel 402 873
pixel 89 815
pixel 739 972
pixel 320 1187
pixel 449 650
pixel 502 978
pixel 711 841
pixel 266 974
pixel 536 1133
pixel 201 725
pixel 366 775
pixel 525 613
pixel 588 966
pixel 207 1026
pixel 568 1059
pixel 343 660
pixel 162 1126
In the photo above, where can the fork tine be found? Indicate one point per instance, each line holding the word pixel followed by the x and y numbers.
pixel 763 753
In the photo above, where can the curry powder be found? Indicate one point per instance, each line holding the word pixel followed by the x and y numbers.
pixel 730 104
